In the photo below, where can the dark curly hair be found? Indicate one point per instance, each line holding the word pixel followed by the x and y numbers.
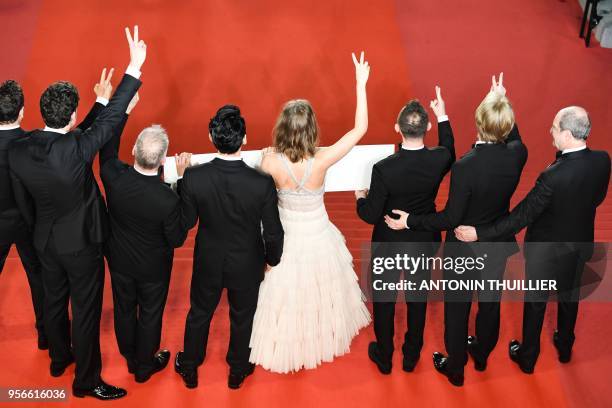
pixel 58 103
pixel 413 119
pixel 227 129
pixel 11 101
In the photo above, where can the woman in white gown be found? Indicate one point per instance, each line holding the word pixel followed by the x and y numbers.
pixel 310 305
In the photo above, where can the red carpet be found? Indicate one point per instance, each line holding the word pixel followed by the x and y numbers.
pixel 260 54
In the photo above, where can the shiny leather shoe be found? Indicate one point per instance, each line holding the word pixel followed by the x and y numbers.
pixel 472 343
pixel 564 357
pixel 440 362
pixel 514 349
pixel 43 343
pixel 234 381
pixel 102 392
pixel 57 370
pixel 374 354
pixel 160 361
pixel 190 377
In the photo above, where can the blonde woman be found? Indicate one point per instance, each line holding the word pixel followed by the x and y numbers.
pixel 310 305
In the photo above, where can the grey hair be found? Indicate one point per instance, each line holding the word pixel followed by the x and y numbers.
pixel 151 147
pixel 577 121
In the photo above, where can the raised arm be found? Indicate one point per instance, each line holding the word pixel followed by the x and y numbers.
pixel 445 132
pixel 103 128
pixel 103 90
pixel 327 157
pixel 111 149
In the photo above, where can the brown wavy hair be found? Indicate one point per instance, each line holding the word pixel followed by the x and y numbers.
pixel 296 133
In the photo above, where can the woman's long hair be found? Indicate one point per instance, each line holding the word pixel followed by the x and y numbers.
pixel 296 133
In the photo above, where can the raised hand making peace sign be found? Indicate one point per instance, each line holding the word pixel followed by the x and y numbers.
pixel 138 49
pixel 362 69
pixel 104 88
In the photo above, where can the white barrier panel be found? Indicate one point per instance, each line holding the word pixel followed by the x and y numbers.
pixel 353 172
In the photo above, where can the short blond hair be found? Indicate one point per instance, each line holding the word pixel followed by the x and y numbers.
pixel 494 118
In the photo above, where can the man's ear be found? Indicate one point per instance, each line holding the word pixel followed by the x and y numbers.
pixel 21 114
pixel 163 161
pixel 134 151
pixel 244 140
pixel 209 136
pixel 397 129
pixel 428 126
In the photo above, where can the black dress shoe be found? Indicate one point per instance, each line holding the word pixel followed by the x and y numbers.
pixel 43 343
pixel 409 363
pixel 514 349
pixel 440 362
pixel 58 369
pixel 374 354
pixel 160 361
pixel 472 344
pixel 564 357
pixel 190 377
pixel 234 381
pixel 103 392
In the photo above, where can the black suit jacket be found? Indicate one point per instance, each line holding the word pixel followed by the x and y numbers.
pixel 232 202
pixel 482 183
pixel 12 225
pixel 561 206
pixel 53 181
pixel 145 217
pixel 408 180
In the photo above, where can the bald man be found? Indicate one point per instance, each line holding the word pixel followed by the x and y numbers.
pixel 559 213
pixel 145 229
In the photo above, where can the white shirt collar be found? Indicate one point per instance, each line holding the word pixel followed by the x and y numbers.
pixel 228 158
pixel 10 127
pixel 60 131
pixel 413 148
pixel 482 142
pixel 574 149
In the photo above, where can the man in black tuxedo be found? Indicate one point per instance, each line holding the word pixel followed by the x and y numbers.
pixel 409 180
pixel 239 233
pixel 559 213
pixel 13 228
pixel 482 183
pixel 145 227
pixel 58 196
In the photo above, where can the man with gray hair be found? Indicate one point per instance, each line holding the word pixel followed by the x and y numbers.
pixel 144 230
pixel 559 213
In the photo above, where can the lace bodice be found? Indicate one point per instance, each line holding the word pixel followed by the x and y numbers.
pixel 299 198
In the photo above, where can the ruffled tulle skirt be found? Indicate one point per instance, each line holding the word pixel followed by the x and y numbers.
pixel 310 305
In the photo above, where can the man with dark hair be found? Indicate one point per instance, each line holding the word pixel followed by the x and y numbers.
pixel 408 179
pixel 13 228
pixel 559 213
pixel 233 202
pixel 413 121
pixel 51 173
